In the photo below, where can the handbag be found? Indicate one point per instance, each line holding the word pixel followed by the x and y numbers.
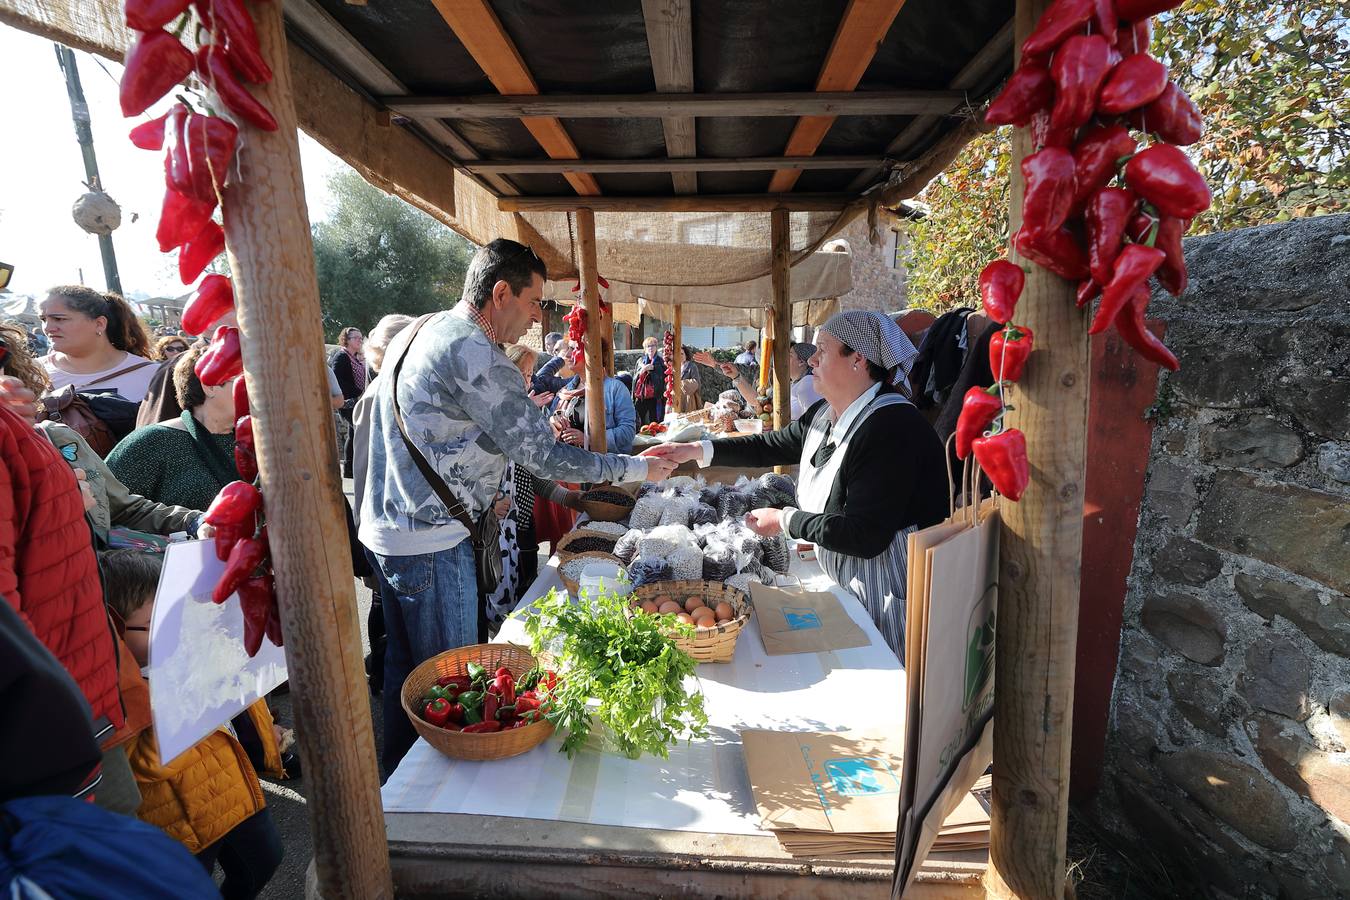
pixel 484 535
pixel 101 419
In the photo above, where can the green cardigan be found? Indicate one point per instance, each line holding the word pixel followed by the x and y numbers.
pixel 175 462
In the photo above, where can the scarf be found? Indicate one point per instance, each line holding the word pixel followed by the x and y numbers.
pixel 358 370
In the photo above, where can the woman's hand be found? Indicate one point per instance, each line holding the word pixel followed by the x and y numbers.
pixel 86 492
pixel 764 522
pixel 573 501
pixel 502 508
pixel 541 400
pixel 675 453
pixel 659 469
pixel 573 437
pixel 704 358
pixel 17 398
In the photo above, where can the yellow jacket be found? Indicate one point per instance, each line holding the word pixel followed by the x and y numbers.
pixel 204 793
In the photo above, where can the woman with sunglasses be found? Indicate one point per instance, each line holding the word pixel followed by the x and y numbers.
pixel 98 344
pixel 170 347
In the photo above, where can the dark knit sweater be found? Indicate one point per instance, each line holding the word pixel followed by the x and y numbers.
pixel 892 477
pixel 178 463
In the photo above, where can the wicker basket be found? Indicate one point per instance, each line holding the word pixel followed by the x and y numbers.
pixel 573 587
pixel 455 744
pixel 564 554
pixel 604 510
pixel 715 645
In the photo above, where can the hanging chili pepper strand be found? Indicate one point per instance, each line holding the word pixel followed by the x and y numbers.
pixel 672 369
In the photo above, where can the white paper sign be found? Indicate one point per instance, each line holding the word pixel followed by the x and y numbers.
pixel 200 676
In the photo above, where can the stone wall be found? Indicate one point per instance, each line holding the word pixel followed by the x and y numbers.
pixel 877 285
pixel 1230 720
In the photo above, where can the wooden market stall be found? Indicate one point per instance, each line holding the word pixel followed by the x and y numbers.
pixel 660 143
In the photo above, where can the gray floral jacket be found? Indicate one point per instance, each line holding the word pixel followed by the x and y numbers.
pixel 465 407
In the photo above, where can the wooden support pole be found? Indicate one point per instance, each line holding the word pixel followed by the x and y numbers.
pixel 277 296
pixel 781 320
pixel 673 366
pixel 595 362
pixel 1039 579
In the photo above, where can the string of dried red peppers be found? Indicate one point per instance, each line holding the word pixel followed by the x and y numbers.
pixel 1096 208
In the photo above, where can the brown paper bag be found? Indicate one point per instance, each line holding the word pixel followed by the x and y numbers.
pixel 803 622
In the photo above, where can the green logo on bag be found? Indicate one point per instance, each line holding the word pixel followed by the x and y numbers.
pixel 979 653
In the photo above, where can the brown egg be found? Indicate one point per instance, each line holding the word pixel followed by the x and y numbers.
pixel 684 617
pixel 705 623
pixel 703 612
pixel 694 603
pixel 649 606
pixel 670 606
pixel 725 612
pixel 661 599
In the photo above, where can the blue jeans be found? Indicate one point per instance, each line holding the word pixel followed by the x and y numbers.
pixel 430 605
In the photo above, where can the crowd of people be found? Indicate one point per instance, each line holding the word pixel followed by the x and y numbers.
pixel 467 451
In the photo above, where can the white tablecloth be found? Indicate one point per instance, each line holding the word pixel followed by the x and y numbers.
pixel 703 786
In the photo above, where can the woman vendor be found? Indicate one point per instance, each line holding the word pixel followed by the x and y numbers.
pixel 872 468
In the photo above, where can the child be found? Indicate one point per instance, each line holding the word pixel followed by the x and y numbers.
pixel 208 798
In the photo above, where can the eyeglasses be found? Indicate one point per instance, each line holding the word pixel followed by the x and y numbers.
pixel 4 353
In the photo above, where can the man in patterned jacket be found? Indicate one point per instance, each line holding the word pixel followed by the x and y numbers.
pixel 466 410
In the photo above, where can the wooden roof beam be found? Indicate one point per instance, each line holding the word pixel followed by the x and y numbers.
pixel 688 203
pixel 670 37
pixel 679 105
pixel 860 32
pixel 482 34
pixel 675 166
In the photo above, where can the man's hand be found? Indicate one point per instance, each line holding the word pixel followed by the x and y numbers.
pixel 86 492
pixel 573 500
pixel 676 453
pixel 659 469
pixel 541 400
pixel 17 398
pixel 205 532
pixel 764 522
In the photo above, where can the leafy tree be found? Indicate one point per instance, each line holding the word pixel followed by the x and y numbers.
pixel 377 255
pixel 1273 82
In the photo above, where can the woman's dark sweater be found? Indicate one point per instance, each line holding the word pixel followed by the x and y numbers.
pixel 891 477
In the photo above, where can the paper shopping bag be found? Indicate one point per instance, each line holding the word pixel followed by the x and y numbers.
pixel 803 621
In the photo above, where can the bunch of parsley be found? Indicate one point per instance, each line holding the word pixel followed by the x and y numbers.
pixel 627 662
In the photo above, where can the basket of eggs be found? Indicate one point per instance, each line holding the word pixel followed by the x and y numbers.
pixel 717 612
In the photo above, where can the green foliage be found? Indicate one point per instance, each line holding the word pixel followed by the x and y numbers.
pixel 377 255
pixel 1273 82
pixel 627 663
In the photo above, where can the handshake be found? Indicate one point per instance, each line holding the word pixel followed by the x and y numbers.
pixel 664 458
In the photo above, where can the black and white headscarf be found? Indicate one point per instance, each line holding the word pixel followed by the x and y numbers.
pixel 877 338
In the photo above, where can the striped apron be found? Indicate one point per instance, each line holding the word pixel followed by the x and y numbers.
pixel 878 582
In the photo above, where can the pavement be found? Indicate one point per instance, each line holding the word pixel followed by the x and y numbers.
pixel 288 799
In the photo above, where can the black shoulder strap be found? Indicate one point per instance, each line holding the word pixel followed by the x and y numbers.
pixel 452 503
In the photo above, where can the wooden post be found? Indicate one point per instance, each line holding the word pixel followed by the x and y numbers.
pixel 595 361
pixel 1039 579
pixel 607 337
pixel 781 320
pixel 277 296
pixel 673 366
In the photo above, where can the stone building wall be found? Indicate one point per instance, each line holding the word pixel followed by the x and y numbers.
pixel 1229 749
pixel 877 285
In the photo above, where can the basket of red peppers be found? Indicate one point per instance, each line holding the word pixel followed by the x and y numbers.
pixel 485 701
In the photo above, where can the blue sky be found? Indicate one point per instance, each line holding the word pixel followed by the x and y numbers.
pixel 41 175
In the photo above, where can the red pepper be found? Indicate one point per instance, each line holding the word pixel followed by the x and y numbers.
pixel 1134 37
pixel 1042 135
pixel 1003 457
pixel 240 398
pixel 1009 348
pixel 1173 117
pixel 231 22
pixel 491 703
pixel 198 252
pixel 217 75
pixel 1057 251
pixel 1135 265
pixel 1172 273
pixel 155 62
pixel 245 457
pixel 1134 331
pixel 245 557
pixel 149 135
pixel 457 713
pixel 1088 289
pixel 1061 20
pixel 1049 175
pixel 1079 67
pixel 437 712
pixel 1096 157
pixel 256 602
pixel 273 626
pixel 1030 88
pixel 213 298
pixel 181 219
pixel 979 407
pixel 460 682
pixel 147 15
pixel 177 171
pixel 210 151
pixel 506 687
pixel 1104 18
pixel 549 680
pixel 1138 80
pixel 222 360
pixel 227 535
pixel 236 503
pixel 1164 177
pixel 485 727
pixel 1001 284
pixel 1107 216
pixel 1142 9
